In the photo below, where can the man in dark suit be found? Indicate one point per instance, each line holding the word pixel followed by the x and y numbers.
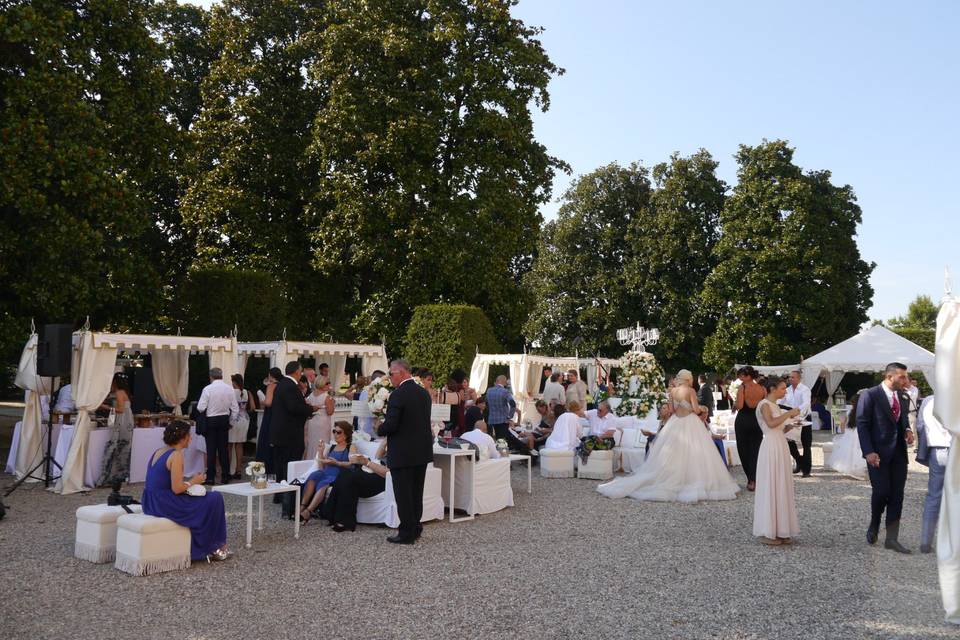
pixel 705 395
pixel 290 411
pixel 409 448
pixel 884 431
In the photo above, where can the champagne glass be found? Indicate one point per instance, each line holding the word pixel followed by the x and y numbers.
pixel 271 478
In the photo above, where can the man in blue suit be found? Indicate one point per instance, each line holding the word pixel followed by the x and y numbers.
pixel 884 431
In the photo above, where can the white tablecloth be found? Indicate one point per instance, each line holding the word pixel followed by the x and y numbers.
pixel 97 440
pixel 146 440
pixel 15 445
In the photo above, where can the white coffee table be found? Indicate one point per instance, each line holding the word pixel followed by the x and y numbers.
pixel 529 459
pixel 445 459
pixel 247 490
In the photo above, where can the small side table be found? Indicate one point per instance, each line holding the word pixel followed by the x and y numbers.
pixel 247 490
pixel 529 459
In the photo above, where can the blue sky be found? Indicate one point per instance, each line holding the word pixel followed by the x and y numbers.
pixel 867 90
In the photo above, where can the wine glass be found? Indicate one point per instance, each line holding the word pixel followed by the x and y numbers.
pixel 271 478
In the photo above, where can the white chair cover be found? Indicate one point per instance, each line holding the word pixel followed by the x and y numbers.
pixel 947 410
pixel 171 375
pixel 483 487
pixel 90 387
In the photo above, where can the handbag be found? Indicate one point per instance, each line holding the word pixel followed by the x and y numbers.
pixel 200 418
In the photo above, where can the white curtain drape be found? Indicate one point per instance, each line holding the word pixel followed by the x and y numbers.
pixel 947 410
pixel 225 359
pixel 90 387
pixel 833 381
pixel 374 363
pixel 171 375
pixel 242 359
pixel 930 373
pixel 30 448
pixel 518 380
pixel 479 373
pixel 336 364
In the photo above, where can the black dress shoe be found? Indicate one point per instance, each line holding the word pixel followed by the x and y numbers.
pixel 926 548
pixel 398 539
pixel 895 545
pixel 806 475
pixel 871 536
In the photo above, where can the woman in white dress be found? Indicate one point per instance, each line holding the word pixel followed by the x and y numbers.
pixel 238 429
pixel 847 456
pixel 683 465
pixel 774 508
pixel 318 428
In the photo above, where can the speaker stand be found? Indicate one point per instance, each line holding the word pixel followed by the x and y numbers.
pixel 47 459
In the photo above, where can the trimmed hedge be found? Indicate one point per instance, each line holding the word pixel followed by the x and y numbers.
pixel 212 300
pixel 444 337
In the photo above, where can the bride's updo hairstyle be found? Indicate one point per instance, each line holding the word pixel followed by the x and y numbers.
pixel 174 432
pixel 684 375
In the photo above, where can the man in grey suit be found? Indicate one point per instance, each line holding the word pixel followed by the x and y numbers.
pixel 705 394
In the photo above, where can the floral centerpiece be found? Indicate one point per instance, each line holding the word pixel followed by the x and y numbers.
pixel 258 474
pixel 378 392
pixel 503 447
pixel 644 388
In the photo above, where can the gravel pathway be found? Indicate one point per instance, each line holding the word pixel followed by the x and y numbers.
pixel 563 563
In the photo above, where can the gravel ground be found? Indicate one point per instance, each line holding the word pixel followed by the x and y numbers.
pixel 563 563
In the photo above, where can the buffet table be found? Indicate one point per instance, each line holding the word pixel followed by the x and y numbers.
pixel 97 440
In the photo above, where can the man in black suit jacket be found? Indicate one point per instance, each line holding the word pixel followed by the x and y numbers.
pixel 705 395
pixel 884 430
pixel 290 411
pixel 409 448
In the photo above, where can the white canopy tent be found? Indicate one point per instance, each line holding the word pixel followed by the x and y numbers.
pixel 93 366
pixel 869 351
pixel 281 352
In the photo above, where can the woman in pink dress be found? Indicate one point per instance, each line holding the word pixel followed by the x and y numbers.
pixel 774 507
pixel 319 428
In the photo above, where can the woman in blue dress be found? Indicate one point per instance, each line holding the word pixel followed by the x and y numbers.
pixel 165 496
pixel 264 451
pixel 337 458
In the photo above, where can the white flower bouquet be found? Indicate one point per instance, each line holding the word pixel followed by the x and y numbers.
pixel 256 468
pixel 734 389
pixel 503 447
pixel 377 395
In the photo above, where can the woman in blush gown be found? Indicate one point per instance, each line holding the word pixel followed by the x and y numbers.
pixel 774 508
pixel 165 496
pixel 319 428
pixel 683 465
pixel 847 456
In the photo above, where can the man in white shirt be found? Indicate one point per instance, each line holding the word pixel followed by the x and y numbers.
pixel 219 403
pixel 798 397
pixel 603 423
pixel 553 392
pixel 485 443
pixel 65 402
pixel 914 394
pixel 576 389
pixel 933 447
pixel 366 424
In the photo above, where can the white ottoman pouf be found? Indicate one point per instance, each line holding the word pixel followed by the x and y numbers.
pixel 599 466
pixel 556 463
pixel 146 544
pixel 96 539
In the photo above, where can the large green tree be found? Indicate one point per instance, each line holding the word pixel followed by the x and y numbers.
pixel 579 281
pixel 789 280
pixel 85 149
pixel 921 314
pixel 623 251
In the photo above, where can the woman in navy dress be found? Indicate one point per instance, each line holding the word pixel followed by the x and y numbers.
pixel 264 451
pixel 330 465
pixel 165 496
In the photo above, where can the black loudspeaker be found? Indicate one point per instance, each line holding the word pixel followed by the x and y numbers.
pixel 54 350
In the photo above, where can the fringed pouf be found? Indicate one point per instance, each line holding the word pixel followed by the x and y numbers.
pixel 96 539
pixel 556 463
pixel 146 545
pixel 599 466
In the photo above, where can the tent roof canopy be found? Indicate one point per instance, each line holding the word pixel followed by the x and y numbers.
pixel 310 348
pixel 871 350
pixel 144 342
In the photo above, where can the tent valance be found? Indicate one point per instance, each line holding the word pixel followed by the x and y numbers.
pixel 146 342
pixel 373 357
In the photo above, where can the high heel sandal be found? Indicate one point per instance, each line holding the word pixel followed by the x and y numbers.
pixel 219 555
pixel 339 528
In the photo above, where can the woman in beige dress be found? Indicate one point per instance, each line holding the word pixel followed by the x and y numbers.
pixel 318 428
pixel 774 508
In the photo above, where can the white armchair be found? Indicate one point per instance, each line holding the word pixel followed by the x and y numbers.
pixel 481 487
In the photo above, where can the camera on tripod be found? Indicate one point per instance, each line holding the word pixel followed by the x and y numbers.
pixel 116 499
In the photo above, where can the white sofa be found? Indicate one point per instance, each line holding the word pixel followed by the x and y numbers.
pixel 382 508
pixel 481 487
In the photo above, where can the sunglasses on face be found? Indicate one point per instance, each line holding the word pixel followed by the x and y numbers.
pixel 337 431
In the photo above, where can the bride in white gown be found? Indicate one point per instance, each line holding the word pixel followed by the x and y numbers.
pixel 683 465
pixel 847 457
